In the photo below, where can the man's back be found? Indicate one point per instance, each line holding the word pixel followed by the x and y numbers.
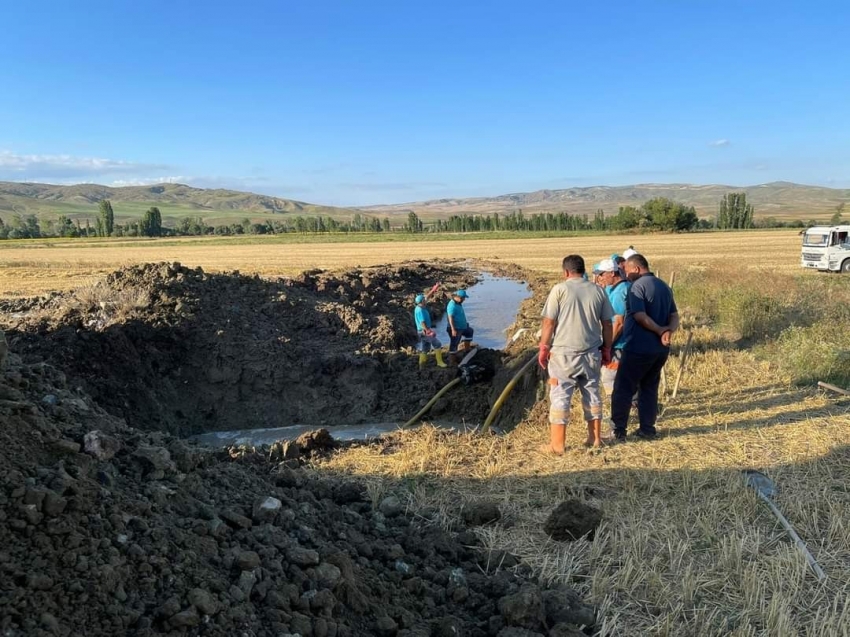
pixel 578 307
pixel 651 295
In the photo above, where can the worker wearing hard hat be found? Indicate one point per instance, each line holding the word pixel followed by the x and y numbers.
pixel 428 340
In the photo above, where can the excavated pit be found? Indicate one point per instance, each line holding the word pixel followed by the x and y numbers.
pixel 112 524
pixel 175 349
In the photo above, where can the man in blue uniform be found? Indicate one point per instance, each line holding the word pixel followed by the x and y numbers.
pixel 458 328
pixel 617 291
pixel 427 337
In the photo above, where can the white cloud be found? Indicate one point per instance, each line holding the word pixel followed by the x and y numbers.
pixel 149 181
pixel 719 143
pixel 62 167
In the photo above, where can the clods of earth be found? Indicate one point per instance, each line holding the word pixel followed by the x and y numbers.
pixel 111 523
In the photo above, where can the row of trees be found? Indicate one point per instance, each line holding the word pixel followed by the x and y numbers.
pixel 659 214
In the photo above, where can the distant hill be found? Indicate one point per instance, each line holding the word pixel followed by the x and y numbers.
pixel 782 200
pixel 779 199
pixel 174 200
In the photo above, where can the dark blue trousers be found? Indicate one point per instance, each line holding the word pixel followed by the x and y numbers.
pixel 639 373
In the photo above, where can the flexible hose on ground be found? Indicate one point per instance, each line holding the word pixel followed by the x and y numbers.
pixel 430 403
pixel 505 393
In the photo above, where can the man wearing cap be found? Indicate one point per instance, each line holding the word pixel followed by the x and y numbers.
pixel 427 337
pixel 574 341
pixel 651 320
pixel 458 328
pixel 619 262
pixel 617 290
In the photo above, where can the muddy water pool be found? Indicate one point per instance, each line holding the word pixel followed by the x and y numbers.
pixel 491 309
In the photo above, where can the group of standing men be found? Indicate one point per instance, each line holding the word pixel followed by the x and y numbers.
pixel 613 331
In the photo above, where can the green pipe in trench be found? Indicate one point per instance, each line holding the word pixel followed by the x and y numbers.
pixel 500 401
pixel 430 403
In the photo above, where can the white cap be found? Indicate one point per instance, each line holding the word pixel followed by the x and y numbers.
pixel 629 253
pixel 606 265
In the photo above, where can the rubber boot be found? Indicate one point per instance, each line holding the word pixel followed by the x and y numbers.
pixel 440 362
pixel 423 358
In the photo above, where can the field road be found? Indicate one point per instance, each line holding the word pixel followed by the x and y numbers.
pixel 34 267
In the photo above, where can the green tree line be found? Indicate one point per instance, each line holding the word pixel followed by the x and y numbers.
pixel 656 215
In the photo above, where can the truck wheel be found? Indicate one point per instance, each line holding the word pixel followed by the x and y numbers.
pixel 845 267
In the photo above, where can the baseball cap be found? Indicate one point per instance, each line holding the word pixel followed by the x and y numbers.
pixel 614 257
pixel 419 298
pixel 629 253
pixel 606 265
pixel 462 294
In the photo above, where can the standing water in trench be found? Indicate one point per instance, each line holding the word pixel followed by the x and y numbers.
pixel 491 309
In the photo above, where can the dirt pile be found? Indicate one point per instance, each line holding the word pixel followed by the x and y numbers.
pixel 105 530
pixel 175 349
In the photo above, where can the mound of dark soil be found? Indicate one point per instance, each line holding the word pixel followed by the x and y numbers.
pixel 571 520
pixel 175 349
pixel 107 530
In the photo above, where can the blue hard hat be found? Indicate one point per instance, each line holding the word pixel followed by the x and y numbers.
pixel 462 294
pixel 419 298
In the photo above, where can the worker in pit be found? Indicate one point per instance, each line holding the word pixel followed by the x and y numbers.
pixel 428 340
pixel 458 328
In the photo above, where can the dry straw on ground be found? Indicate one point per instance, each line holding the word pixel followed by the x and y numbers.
pixel 684 548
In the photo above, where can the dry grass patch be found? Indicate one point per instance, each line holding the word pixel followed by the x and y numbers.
pixel 684 548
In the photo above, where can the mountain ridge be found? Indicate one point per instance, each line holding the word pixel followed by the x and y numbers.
pixel 781 199
pixel 170 193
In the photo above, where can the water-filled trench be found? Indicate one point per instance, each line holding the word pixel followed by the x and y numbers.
pixel 491 309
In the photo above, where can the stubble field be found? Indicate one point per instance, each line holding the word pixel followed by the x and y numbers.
pixel 34 267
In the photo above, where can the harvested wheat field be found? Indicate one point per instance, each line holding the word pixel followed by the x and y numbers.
pixel 112 522
pixel 684 548
pixel 35 267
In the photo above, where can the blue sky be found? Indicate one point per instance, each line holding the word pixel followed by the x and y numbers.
pixel 359 103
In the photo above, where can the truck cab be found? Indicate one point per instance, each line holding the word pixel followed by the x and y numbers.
pixel 827 248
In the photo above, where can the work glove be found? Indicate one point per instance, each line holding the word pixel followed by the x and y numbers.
pixel 429 332
pixel 606 356
pixel 543 356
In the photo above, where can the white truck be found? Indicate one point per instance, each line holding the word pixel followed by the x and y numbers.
pixel 827 248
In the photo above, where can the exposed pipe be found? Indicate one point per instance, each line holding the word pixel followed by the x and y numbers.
pixel 505 393
pixel 430 403
pixel 833 388
pixel 682 362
